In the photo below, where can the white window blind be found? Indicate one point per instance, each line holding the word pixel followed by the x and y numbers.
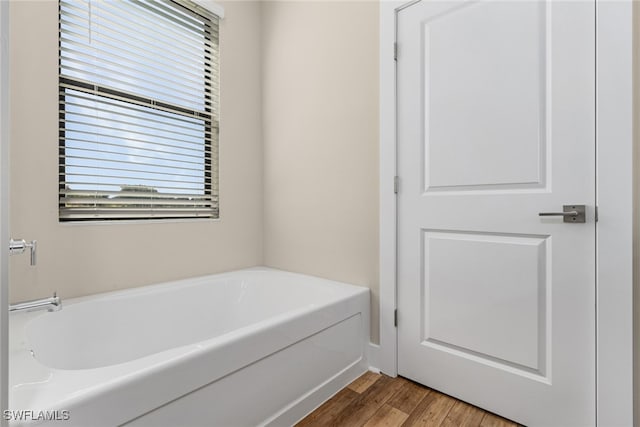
pixel 138 110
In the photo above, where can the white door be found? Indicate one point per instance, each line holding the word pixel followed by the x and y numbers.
pixel 496 118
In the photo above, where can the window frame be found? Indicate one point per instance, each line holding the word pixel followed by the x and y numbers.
pixel 210 119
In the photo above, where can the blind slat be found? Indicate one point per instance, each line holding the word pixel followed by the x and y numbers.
pixel 100 170
pixel 175 156
pixel 68 193
pixel 125 15
pixel 165 163
pixel 114 103
pixel 152 120
pixel 101 186
pixel 102 125
pixel 116 64
pixel 81 86
pixel 83 203
pixel 138 104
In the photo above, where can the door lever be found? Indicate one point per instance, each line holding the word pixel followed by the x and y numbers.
pixel 570 213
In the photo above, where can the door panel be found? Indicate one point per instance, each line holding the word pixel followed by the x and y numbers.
pixel 469 297
pixel 461 81
pixel 496 118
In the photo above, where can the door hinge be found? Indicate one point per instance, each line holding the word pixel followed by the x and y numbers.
pixel 395 317
pixel 395 51
pixel 396 184
pixel 596 214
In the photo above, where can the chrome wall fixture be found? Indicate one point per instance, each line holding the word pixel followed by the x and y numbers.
pixel 19 246
pixel 53 303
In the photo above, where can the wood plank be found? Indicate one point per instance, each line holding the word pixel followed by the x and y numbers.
pixel 363 382
pixel 492 420
pixel 385 401
pixel 463 415
pixel 431 411
pixel 409 396
pixel 326 412
pixel 387 416
pixel 362 408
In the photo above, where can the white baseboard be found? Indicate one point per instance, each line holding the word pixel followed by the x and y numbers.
pixel 373 357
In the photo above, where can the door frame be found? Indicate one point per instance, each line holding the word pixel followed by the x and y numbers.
pixel 4 208
pixel 614 198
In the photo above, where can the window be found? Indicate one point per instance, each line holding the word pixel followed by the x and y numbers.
pixel 138 110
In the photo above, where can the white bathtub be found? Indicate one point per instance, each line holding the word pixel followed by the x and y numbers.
pixel 251 347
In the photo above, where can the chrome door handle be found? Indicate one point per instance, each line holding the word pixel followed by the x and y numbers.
pixel 570 213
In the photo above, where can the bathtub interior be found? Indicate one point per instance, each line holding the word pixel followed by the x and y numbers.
pixel 169 316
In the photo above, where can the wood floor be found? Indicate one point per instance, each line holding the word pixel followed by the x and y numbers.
pixel 379 400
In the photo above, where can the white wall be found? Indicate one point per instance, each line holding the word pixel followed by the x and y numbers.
pixel 320 121
pixel 79 259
